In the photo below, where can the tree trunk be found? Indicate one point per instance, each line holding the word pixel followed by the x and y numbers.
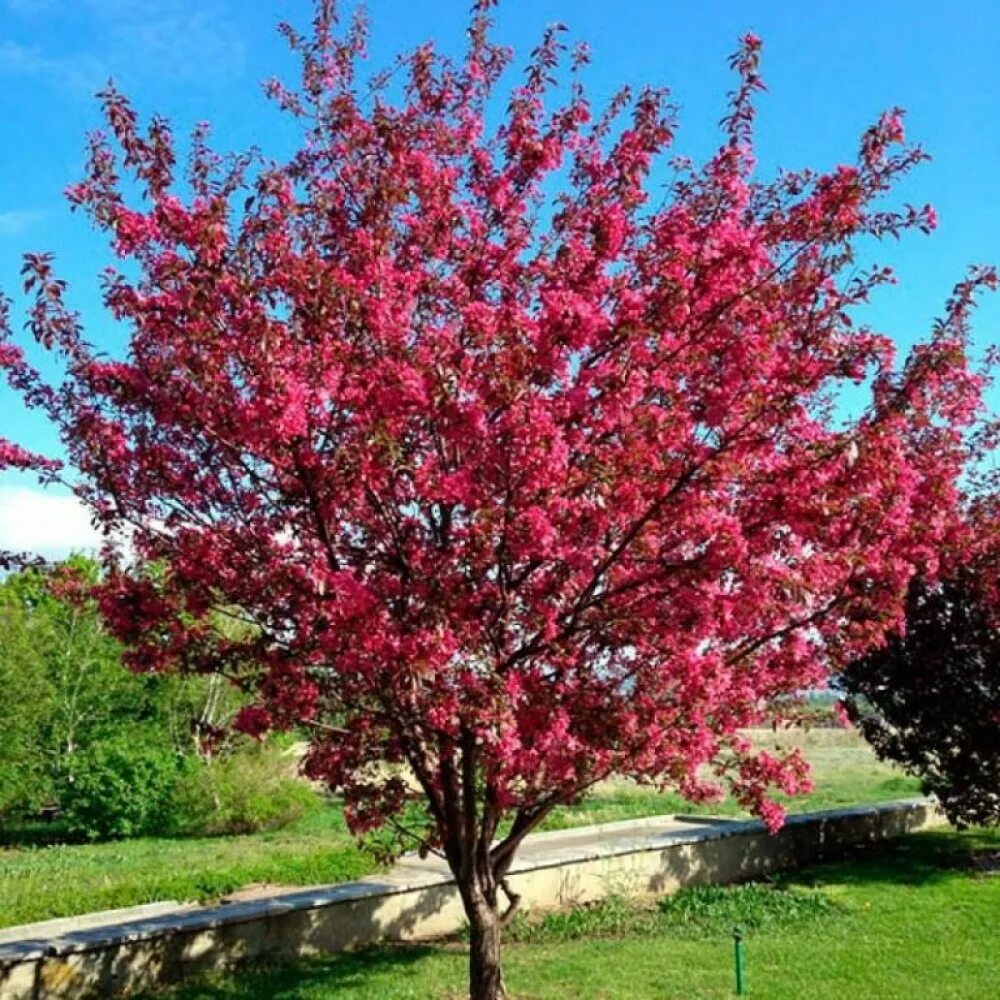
pixel 485 976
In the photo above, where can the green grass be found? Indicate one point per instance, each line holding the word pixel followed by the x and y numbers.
pixel 845 772
pixel 911 920
pixel 37 883
pixel 40 882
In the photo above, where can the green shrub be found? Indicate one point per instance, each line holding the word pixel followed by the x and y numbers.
pixel 120 787
pixel 250 789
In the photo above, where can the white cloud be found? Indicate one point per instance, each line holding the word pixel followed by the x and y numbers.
pixel 179 39
pixel 15 222
pixel 51 525
pixel 191 39
pixel 79 71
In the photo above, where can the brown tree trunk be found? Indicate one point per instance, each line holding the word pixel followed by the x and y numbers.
pixel 485 976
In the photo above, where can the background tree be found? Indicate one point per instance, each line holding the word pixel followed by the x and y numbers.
pixel 929 699
pixel 521 477
pixel 97 751
pixel 64 694
pixel 25 781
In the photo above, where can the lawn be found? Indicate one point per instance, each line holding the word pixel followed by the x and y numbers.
pixel 50 881
pixel 915 919
pixel 41 882
pixel 845 772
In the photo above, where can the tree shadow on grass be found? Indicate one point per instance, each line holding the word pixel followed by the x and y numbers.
pixel 918 859
pixel 308 977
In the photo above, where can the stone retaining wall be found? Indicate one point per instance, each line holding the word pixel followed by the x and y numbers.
pixel 418 900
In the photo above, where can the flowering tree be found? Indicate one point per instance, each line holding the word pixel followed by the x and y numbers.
pixel 519 477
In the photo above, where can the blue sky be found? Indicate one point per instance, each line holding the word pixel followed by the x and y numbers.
pixel 831 67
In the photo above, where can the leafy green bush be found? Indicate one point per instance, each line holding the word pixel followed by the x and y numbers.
pixel 120 787
pixel 250 789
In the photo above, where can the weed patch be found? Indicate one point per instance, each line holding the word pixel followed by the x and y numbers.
pixel 754 906
pixel 700 912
